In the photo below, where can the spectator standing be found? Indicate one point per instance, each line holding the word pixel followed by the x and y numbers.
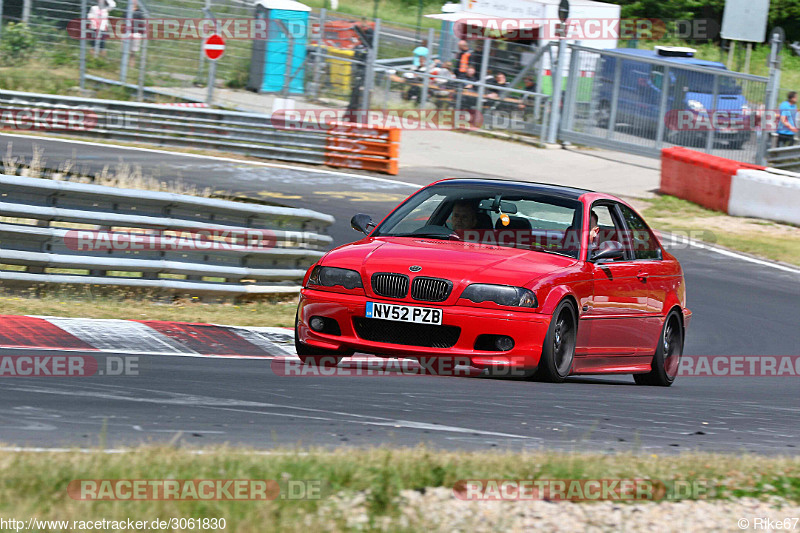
pixel 139 31
pixel 787 125
pixel 463 59
pixel 98 22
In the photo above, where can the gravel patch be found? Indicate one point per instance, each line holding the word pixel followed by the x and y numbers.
pixel 438 510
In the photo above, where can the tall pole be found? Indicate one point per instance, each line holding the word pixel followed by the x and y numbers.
pixel 773 87
pixel 126 43
pixel 555 111
pixel 26 11
pixel 83 43
pixel 419 17
pixel 1 18
pixel 369 68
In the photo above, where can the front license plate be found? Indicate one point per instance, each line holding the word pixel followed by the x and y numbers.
pixel 404 313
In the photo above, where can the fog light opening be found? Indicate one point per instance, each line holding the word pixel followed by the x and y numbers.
pixel 317 323
pixel 504 343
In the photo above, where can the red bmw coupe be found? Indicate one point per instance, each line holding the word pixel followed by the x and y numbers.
pixel 547 280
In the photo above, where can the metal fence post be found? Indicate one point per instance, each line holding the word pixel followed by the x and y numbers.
pixel 555 109
pixel 662 108
pixel 318 56
pixel 426 81
pixel 142 69
pixel 571 92
pixel 26 11
pixel 773 87
pixel 83 43
pixel 369 73
pixel 126 43
pixel 487 48
pixel 612 116
pixel 714 98
pixel 287 75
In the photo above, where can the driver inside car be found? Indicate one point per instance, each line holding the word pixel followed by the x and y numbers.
pixel 466 216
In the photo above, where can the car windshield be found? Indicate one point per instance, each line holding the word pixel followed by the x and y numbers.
pixel 490 215
pixel 700 82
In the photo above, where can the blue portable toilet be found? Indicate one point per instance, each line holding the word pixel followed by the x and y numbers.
pixel 268 65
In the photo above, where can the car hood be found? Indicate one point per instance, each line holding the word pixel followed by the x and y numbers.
pixel 460 262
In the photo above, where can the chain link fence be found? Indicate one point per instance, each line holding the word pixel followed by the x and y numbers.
pixel 629 101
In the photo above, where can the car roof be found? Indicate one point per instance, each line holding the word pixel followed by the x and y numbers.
pixel 561 191
pixel 673 59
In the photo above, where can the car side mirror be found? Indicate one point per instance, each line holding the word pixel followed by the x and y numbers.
pixel 608 250
pixel 361 222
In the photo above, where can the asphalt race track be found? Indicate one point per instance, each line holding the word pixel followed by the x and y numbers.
pixel 740 308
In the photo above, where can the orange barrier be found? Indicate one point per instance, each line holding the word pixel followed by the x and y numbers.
pixel 351 145
pixel 699 177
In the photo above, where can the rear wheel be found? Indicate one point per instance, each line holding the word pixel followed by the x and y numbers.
pixel 311 355
pixel 558 350
pixel 668 355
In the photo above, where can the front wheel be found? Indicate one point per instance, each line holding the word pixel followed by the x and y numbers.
pixel 668 355
pixel 558 350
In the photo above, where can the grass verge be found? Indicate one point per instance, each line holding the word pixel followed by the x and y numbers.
pixel 770 240
pixel 278 313
pixel 35 484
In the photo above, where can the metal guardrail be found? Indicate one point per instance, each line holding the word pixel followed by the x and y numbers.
pixel 255 249
pixel 253 134
pixel 786 158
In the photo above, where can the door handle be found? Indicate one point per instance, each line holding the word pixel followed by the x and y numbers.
pixel 642 276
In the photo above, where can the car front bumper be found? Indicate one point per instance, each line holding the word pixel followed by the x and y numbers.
pixel 527 329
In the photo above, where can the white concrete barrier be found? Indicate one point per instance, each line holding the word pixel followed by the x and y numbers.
pixel 769 194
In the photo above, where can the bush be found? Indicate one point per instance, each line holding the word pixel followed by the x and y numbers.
pixel 240 75
pixel 17 43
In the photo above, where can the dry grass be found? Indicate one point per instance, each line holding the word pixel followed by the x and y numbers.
pixel 770 240
pixel 123 175
pixel 35 483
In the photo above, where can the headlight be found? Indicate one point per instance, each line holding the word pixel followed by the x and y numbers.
pixel 694 105
pixel 745 109
pixel 332 276
pixel 500 294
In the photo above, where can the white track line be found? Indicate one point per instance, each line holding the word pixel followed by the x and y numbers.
pixel 698 244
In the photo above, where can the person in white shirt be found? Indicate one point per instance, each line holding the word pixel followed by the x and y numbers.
pixel 98 22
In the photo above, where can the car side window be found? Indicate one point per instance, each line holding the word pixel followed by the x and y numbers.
pixel 608 228
pixel 640 238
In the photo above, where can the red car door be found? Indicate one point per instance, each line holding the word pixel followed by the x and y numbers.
pixel 619 315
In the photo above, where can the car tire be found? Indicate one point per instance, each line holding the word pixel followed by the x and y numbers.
pixel 666 360
pixel 558 349
pixel 313 356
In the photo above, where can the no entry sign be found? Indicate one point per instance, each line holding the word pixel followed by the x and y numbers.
pixel 214 47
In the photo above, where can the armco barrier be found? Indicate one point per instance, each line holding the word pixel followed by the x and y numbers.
pixel 153 240
pixel 771 194
pixel 698 177
pixel 345 145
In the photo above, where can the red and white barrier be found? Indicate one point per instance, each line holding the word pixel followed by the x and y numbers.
pixel 771 194
pixel 736 188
